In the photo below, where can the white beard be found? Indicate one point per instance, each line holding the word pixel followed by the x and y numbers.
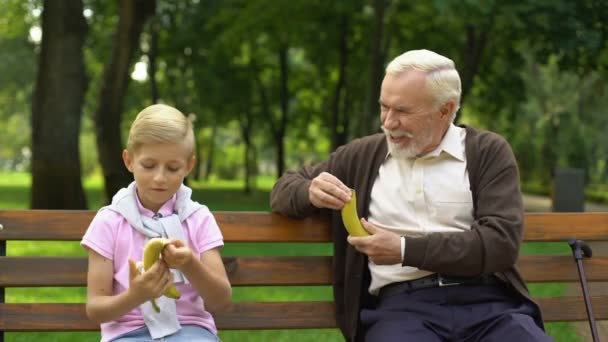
pixel 411 150
pixel 399 152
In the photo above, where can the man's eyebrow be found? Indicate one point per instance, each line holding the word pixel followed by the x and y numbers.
pixel 401 108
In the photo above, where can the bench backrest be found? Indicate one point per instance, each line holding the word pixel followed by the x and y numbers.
pixel 64 225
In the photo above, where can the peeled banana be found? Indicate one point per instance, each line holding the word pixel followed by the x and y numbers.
pixel 350 218
pixel 152 252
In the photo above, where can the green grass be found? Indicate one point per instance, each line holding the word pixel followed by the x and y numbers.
pixel 218 195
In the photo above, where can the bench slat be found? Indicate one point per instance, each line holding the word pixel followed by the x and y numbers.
pixel 560 309
pixel 297 270
pixel 559 226
pixel 255 315
pixel 243 316
pixel 242 271
pixel 70 225
pixel 561 268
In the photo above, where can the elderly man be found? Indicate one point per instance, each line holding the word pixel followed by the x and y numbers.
pixel 443 207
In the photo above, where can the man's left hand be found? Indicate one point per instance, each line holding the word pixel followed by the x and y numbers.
pixel 382 246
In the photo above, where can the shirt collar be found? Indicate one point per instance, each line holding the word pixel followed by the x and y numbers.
pixel 165 210
pixel 451 144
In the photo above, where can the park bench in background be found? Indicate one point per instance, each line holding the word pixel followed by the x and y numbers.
pixel 64 225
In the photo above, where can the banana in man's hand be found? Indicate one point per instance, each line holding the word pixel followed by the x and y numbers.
pixel 351 218
pixel 152 252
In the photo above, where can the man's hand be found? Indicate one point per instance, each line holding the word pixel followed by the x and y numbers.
pixel 382 247
pixel 327 191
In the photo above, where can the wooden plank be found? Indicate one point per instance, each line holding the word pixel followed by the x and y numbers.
pixel 297 270
pixel 562 226
pixel 244 315
pixel 242 271
pixel 278 315
pixel 45 317
pixel 303 270
pixel 271 227
pixel 43 271
pixel 70 225
pixel 255 315
pixel 561 268
pixel 65 225
pixel 561 309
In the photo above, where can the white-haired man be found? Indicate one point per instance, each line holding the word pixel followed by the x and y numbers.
pixel 444 209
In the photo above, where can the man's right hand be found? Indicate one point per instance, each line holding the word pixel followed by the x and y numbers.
pixel 327 191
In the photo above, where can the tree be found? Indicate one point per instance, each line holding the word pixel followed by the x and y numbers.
pixel 56 108
pixel 132 17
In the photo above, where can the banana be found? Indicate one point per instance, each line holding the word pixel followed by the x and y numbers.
pixel 152 252
pixel 350 218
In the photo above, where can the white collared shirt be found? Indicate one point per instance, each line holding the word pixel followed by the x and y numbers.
pixel 414 197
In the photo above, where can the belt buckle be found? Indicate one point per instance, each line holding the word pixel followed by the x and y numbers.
pixel 443 283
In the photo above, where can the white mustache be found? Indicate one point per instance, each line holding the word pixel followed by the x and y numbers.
pixel 397 134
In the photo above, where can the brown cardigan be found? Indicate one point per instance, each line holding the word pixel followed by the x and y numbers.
pixel 491 246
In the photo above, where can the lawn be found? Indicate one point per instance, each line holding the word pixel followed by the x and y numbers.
pixel 218 195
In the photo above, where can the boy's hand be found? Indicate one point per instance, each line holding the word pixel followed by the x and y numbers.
pixel 177 255
pixel 150 284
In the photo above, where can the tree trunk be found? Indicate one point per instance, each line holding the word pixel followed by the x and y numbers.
pixel 370 121
pixel 56 110
pixel 210 153
pixel 284 91
pixel 132 16
pixel 339 121
pixel 476 42
pixel 152 54
pixel 246 127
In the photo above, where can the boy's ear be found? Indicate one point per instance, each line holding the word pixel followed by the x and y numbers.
pixel 191 164
pixel 126 158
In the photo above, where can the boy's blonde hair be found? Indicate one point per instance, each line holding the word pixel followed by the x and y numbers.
pixel 160 124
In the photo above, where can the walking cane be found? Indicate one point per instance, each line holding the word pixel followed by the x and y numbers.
pixel 581 250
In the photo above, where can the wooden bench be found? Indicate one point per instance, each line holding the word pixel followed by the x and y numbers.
pixel 63 225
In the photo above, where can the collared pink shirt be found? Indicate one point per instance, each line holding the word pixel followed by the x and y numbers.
pixel 111 236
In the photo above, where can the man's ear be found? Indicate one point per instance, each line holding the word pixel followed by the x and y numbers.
pixel 126 158
pixel 447 109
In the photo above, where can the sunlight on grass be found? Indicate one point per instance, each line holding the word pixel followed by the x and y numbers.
pixel 15 179
pixel 46 295
pixel 281 293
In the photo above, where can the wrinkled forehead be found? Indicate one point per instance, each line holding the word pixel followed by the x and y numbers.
pixel 406 88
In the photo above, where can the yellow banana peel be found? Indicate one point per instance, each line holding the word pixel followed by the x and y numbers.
pixel 350 218
pixel 152 252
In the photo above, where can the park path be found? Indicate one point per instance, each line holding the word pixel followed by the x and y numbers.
pixel 541 203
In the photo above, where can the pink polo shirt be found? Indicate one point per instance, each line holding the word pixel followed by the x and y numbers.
pixel 110 235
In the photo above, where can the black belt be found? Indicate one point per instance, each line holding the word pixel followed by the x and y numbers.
pixel 436 280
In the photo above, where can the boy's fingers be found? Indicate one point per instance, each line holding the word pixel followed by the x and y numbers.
pixel 133 271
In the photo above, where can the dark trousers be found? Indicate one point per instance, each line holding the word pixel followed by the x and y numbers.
pixel 454 313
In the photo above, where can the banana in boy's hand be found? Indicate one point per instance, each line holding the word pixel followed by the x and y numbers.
pixel 152 252
pixel 350 218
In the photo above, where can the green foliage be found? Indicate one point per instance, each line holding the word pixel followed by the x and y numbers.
pixel 218 59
